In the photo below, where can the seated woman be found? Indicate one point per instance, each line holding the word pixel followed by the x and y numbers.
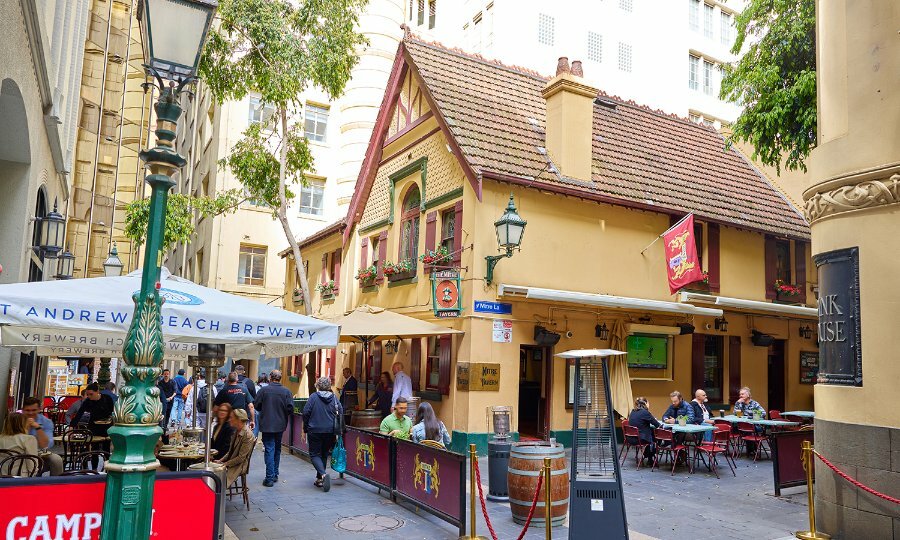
pixel 222 433
pixel 15 437
pixel 428 427
pixel 643 420
pixel 241 446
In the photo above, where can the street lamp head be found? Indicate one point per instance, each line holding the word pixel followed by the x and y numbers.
pixel 510 227
pixel 65 264
pixel 53 228
pixel 112 266
pixel 173 34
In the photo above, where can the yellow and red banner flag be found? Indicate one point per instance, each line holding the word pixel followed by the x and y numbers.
pixel 682 263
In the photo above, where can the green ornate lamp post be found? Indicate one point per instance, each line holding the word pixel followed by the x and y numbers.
pixel 173 34
pixel 510 228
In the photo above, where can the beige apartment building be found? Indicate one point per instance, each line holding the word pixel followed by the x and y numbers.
pixel 238 252
pixel 112 128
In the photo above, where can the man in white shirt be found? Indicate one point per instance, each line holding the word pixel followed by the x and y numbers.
pixel 402 384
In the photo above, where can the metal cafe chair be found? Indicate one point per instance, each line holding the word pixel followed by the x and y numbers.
pixel 75 443
pixel 21 465
pixel 92 460
pixel 432 444
pixel 749 435
pixel 239 487
pixel 80 472
pixel 719 445
pixel 632 440
pixel 671 449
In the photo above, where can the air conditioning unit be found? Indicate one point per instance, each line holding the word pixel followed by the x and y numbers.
pixel 761 340
pixel 544 337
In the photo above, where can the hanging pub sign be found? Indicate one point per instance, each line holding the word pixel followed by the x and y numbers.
pixel 840 347
pixel 445 298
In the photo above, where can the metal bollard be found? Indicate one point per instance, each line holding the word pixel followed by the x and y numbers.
pixel 547 497
pixel 807 457
pixel 472 490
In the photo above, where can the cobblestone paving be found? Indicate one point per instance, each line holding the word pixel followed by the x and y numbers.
pixel 658 506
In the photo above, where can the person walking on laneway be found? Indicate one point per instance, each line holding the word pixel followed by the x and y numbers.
pixel 402 384
pixel 177 415
pixel 198 399
pixel 321 421
pixel 167 395
pixel 274 405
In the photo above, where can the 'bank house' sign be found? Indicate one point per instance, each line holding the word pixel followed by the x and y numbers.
pixel 840 348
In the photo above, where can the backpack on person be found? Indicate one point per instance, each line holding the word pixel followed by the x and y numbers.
pixel 202 397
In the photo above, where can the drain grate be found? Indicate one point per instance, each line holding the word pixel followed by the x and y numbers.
pixel 368 523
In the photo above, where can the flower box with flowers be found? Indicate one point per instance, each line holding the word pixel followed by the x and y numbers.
pixel 328 289
pixel 785 292
pixel 404 269
pixel 366 276
pixel 701 285
pixel 432 259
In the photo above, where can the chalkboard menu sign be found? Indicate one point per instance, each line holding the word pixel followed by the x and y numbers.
pixel 839 324
pixel 809 367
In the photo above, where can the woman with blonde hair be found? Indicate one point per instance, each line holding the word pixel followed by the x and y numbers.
pixel 15 436
pixel 222 433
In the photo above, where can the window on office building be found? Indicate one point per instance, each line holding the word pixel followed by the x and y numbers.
pixel 252 265
pixel 316 122
pixel 695 118
pixel 624 57
pixel 694 15
pixel 421 19
pixel 707 78
pixel 545 29
pixel 594 47
pixel 693 72
pixel 432 13
pixel 725 23
pixel 260 113
pixel 311 197
pixel 707 21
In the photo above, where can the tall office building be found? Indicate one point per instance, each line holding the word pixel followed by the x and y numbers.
pixel 112 128
pixel 238 252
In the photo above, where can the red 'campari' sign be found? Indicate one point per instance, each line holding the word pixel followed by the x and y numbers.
pixel 61 508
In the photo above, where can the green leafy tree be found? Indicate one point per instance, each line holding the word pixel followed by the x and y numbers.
pixel 775 81
pixel 278 49
pixel 182 211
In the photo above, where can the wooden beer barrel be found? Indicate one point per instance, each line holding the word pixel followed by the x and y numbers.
pixel 366 419
pixel 525 462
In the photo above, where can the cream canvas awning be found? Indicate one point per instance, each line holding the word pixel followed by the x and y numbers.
pixel 753 305
pixel 605 300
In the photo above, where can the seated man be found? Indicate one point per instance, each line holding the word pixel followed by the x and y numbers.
pixel 679 407
pixel 701 413
pixel 41 428
pixel 397 424
pixel 748 406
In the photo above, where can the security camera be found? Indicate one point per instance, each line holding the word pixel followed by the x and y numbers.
pixel 708 326
pixel 569 334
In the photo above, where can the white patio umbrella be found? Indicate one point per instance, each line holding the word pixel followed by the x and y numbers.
pixel 90 317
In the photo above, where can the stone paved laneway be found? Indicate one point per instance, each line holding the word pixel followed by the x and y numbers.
pixel 658 506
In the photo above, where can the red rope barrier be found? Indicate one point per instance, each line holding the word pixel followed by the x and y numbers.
pixel 487 520
pixel 856 483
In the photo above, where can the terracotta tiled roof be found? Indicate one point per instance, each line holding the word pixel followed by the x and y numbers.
pixel 641 158
pixel 334 229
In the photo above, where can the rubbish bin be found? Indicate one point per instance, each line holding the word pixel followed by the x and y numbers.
pixel 498 465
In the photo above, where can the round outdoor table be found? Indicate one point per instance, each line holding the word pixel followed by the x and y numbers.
pixel 96 439
pixel 193 455
pixel 801 414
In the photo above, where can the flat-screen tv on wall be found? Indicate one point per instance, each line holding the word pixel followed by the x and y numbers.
pixel 647 351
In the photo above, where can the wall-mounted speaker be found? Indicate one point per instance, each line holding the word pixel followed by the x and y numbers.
pixel 761 340
pixel 544 337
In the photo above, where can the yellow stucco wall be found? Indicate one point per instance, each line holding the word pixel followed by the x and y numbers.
pixel 569 244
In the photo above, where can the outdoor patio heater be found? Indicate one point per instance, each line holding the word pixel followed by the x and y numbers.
pixel 597 506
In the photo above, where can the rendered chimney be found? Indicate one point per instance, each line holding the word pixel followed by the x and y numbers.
pixel 577 69
pixel 570 120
